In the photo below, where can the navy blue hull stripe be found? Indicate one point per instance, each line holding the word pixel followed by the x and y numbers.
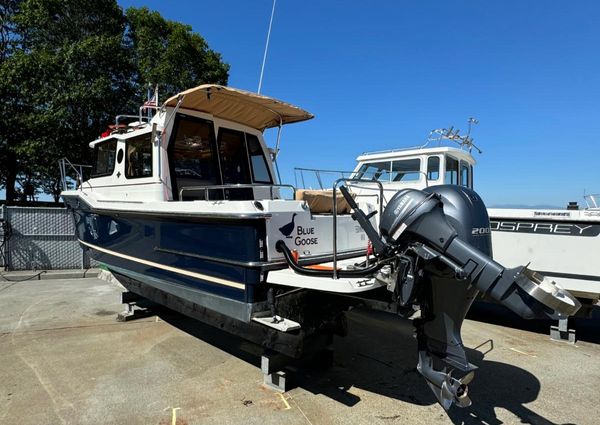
pixel 177 270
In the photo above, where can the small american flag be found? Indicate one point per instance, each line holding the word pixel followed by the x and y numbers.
pixel 153 101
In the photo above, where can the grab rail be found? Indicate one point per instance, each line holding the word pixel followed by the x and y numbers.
pixel 206 189
pixel 317 173
pixel 592 201
pixel 78 168
pixel 335 185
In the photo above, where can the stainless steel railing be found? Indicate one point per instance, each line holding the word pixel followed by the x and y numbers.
pixel 319 174
pixel 334 209
pixel 65 166
pixel 592 201
pixel 322 177
pixel 223 187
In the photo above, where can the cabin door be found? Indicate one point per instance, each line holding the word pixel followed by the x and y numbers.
pixel 193 159
pixel 235 166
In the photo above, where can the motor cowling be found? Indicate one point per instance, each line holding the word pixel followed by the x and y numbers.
pixel 450 224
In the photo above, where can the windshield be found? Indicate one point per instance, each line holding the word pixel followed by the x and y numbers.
pixel 403 170
pixel 374 171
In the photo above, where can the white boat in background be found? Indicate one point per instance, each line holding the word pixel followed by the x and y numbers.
pixel 563 244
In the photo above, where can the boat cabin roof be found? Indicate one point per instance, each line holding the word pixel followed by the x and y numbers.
pixel 240 106
pixel 403 153
pixel 136 131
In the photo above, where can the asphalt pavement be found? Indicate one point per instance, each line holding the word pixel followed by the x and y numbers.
pixel 64 359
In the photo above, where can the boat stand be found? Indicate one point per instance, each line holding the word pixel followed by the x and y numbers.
pixel 276 367
pixel 136 307
pixel 562 332
pixel 272 365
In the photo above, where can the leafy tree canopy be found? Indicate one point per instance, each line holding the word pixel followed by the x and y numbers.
pixel 170 54
pixel 67 67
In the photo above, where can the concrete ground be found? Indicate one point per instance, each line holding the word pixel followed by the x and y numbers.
pixel 65 360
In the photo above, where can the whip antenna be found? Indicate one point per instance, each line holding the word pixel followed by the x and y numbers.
pixel 262 68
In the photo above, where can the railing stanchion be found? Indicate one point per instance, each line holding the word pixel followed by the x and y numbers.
pixel 334 209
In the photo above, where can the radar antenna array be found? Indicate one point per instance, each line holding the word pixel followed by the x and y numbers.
pixel 454 135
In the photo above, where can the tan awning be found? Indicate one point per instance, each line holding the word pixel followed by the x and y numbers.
pixel 243 107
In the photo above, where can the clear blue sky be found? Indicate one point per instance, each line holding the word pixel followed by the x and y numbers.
pixel 380 75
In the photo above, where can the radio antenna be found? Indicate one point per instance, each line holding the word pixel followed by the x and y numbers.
pixel 262 68
pixel 453 135
pixel 471 121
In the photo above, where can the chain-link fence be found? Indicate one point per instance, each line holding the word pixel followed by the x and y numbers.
pixel 39 238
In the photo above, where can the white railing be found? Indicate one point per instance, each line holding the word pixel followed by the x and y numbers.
pixel 223 187
pixel 334 209
pixel 593 201
pixel 68 170
pixel 323 178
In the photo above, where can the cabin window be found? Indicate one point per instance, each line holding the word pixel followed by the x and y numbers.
pixel 375 171
pixel 138 158
pixel 104 158
pixel 406 170
pixel 192 157
pixel 235 166
pixel 433 168
pixel 464 174
pixel 233 157
pixel 260 169
pixel 451 176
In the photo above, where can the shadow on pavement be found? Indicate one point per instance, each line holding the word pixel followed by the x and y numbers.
pixel 586 328
pixel 379 355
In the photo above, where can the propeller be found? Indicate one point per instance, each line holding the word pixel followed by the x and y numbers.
pixel 448 390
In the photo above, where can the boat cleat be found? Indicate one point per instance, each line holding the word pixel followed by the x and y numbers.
pixel 277 322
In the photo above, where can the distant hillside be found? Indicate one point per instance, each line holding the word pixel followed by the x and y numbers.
pixel 535 207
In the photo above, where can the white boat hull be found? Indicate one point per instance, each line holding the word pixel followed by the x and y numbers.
pixel 561 244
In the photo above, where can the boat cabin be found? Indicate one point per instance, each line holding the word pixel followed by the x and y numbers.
pixel 397 169
pixel 202 156
pixel 417 167
pixel 204 144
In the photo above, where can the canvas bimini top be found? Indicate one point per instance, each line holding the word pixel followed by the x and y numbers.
pixel 244 107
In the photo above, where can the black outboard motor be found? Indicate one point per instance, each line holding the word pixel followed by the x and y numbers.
pixel 435 252
pixel 441 239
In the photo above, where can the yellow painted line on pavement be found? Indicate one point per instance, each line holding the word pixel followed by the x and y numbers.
pixel 174 415
pixel 522 352
pixel 287 405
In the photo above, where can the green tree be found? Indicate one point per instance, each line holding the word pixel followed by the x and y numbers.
pixel 170 54
pixel 67 75
pixel 69 66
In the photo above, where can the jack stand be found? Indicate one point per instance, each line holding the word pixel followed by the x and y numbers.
pixel 562 332
pixel 136 307
pixel 271 364
pixel 277 368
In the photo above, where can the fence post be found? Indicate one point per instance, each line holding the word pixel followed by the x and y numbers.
pixel 7 257
pixel 84 264
pixel 4 242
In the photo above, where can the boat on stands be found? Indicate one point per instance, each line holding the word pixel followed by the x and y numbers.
pixel 185 209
